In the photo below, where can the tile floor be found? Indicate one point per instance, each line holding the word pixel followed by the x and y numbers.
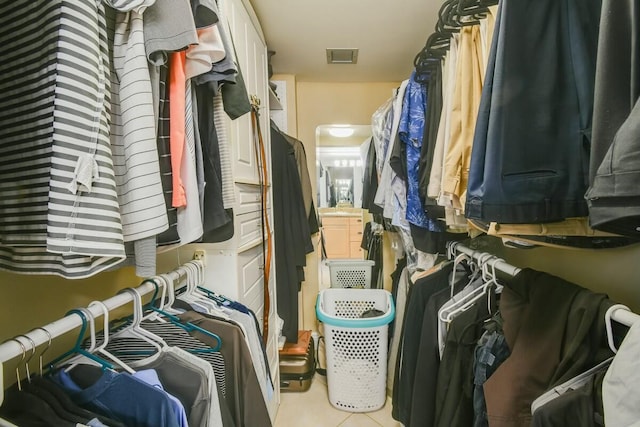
pixel 313 409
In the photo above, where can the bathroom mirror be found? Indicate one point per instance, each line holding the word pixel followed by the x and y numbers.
pixel 339 165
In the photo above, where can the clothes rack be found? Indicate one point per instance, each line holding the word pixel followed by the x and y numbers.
pixel 500 264
pixel 621 315
pixel 12 349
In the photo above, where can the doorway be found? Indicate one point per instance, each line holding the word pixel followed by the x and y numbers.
pixel 340 157
pixel 339 169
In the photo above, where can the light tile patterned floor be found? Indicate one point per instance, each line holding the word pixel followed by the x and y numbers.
pixel 313 409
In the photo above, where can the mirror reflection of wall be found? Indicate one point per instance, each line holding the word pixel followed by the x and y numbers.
pixel 339 164
pixel 340 182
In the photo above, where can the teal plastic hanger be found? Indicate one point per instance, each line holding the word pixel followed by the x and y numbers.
pixel 188 326
pixel 77 348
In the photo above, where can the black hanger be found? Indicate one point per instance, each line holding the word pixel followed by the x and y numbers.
pixel 452 16
pixel 477 9
pixel 447 19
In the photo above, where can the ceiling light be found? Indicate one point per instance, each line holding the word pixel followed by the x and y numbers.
pixel 341 132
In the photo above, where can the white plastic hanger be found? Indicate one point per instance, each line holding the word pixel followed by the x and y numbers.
pixel 444 315
pixel 183 276
pixel 134 330
pixel 167 297
pixel 493 281
pixel 216 307
pixel 490 280
pixel 193 280
pixel 197 279
pixel 193 295
pixel 101 349
pixel 82 358
pixel 170 293
pixel 475 269
pixel 175 320
pixel 607 323
pixel 457 260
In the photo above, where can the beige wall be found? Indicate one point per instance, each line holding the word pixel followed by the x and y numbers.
pixel 615 272
pixel 321 104
pixel 326 103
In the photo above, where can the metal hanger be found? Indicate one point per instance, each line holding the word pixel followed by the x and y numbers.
pixel 24 354
pixel 33 352
pixel 49 339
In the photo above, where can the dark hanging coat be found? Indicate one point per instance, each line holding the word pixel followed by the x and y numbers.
pixel 291 232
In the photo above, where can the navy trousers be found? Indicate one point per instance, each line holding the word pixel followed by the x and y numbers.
pixel 530 157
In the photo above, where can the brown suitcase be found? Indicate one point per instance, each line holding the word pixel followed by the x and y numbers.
pixel 297 368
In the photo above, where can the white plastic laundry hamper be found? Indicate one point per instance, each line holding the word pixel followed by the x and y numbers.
pixel 355 346
pixel 350 273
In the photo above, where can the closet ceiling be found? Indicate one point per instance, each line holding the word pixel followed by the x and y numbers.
pixel 387 33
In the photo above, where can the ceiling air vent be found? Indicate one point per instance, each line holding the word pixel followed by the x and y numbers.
pixel 342 56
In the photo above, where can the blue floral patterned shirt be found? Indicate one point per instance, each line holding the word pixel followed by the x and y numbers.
pixel 411 131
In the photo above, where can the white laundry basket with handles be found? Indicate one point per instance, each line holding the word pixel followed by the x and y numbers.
pixel 350 273
pixel 356 346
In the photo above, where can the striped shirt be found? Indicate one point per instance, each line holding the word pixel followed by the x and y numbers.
pixel 60 208
pixel 133 131
pixel 133 349
pixel 224 148
pixel 28 42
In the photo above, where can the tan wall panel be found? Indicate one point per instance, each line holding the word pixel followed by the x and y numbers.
pixel 615 272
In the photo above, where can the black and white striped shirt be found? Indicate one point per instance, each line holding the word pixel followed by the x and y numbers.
pixel 60 212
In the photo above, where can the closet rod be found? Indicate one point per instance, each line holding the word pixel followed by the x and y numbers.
pixel 620 315
pixel 500 264
pixel 11 349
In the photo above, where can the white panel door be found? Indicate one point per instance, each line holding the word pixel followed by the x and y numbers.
pixel 245 168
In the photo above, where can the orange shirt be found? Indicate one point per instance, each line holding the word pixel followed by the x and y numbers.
pixel 177 82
